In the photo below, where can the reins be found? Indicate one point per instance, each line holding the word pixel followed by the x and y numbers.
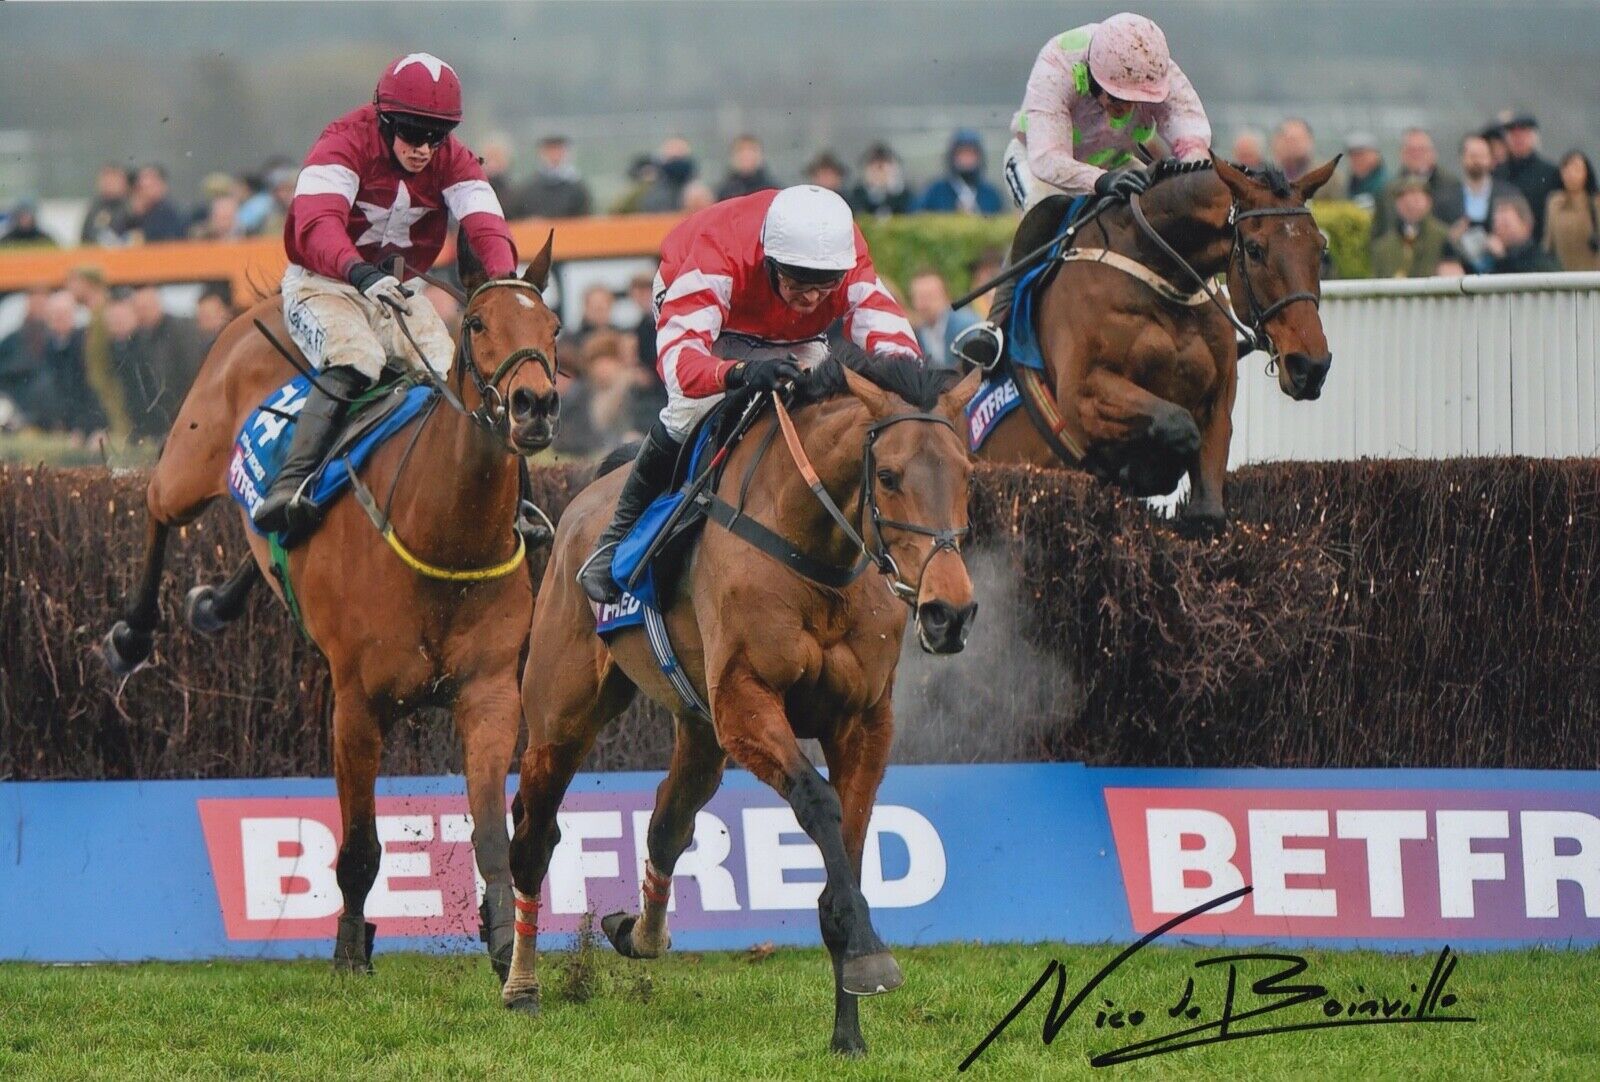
pixel 733 518
pixel 1254 335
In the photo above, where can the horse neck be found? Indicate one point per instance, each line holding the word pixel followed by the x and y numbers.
pixel 834 438
pixel 1190 211
pixel 456 497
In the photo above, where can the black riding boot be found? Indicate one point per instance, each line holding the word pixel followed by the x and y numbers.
pixel 983 344
pixel 652 473
pixel 315 429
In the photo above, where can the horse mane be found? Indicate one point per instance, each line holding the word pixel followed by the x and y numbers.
pixel 902 375
pixel 1270 176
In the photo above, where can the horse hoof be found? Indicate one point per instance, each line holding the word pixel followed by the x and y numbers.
pixel 124 649
pixel 524 1003
pixel 200 611
pixel 872 974
pixel 618 928
pixel 850 1047
pixel 352 949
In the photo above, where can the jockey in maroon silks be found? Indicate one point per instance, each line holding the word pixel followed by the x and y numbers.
pixel 381 181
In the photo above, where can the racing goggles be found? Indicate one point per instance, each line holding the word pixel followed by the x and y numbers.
pixel 414 131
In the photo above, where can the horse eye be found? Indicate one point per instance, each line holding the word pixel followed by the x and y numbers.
pixel 889 480
pixel 474 324
pixel 1254 251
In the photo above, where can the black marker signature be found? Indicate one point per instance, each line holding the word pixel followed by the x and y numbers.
pixel 1277 988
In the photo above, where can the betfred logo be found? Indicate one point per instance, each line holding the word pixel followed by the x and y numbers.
pixel 1457 864
pixel 750 865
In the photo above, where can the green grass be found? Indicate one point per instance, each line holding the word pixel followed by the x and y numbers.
pixel 700 1016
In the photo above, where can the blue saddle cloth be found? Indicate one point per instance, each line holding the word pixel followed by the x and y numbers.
pixel 997 396
pixel 632 548
pixel 262 443
pixel 1022 336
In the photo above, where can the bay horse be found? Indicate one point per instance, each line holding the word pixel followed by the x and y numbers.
pixel 777 654
pixel 1143 367
pixel 441 625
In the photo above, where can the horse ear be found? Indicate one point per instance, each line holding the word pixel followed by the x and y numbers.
pixel 953 401
pixel 875 398
pixel 1308 184
pixel 468 268
pixel 538 273
pixel 1237 180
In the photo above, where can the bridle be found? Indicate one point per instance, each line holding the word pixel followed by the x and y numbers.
pixel 491 413
pixel 948 537
pixel 1253 335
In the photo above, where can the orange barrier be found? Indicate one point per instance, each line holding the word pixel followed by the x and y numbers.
pixel 246 264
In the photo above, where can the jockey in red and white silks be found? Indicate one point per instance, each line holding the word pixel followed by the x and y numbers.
pixel 382 180
pixel 746 292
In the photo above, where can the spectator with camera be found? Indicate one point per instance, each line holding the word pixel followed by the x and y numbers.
pixel 1467 205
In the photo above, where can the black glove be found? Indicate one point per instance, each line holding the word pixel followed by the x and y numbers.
pixel 378 285
pixel 1121 185
pixel 762 376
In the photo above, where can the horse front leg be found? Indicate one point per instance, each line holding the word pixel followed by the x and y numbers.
pixel 756 732
pixel 1137 439
pixel 488 713
pixel 1205 515
pixel 357 754
pixel 692 779
pixel 857 758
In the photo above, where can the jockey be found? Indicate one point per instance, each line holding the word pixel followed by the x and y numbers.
pixel 380 181
pixel 746 292
pixel 1095 94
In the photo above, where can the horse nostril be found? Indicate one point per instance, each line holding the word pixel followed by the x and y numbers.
pixel 522 403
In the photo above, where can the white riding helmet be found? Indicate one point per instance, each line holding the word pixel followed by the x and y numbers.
pixel 810 228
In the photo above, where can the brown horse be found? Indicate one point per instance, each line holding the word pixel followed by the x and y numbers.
pixel 1143 370
pixel 776 653
pixel 395 638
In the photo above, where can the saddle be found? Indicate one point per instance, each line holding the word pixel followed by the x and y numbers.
pixel 652 556
pixel 373 418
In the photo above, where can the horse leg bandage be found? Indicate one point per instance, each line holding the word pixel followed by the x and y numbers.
pixel 656 888
pixel 527 920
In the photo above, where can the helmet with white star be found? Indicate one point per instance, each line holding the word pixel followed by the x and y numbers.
pixel 420 85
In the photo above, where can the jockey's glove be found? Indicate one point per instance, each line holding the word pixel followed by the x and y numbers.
pixel 762 376
pixel 378 286
pixel 1129 182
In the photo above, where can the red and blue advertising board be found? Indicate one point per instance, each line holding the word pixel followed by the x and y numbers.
pixel 1415 859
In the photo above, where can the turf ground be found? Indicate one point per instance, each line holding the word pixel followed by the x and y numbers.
pixel 705 1016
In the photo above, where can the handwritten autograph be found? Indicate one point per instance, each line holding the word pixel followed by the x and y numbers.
pixel 1275 988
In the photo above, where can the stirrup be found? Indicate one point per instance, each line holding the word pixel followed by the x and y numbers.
pixel 981 334
pixel 614 592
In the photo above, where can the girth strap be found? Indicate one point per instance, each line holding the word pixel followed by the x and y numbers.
pixel 1046 415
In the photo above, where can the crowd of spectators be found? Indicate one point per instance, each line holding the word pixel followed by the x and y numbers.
pixel 89 360
pixel 1504 208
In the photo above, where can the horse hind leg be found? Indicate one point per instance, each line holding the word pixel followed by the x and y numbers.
pixel 692 779
pixel 127 645
pixel 208 609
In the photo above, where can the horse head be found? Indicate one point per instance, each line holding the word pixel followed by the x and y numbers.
pixel 508 348
pixel 1275 270
pixel 915 475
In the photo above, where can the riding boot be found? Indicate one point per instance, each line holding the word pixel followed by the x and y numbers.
pixel 983 344
pixel 315 429
pixel 652 473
